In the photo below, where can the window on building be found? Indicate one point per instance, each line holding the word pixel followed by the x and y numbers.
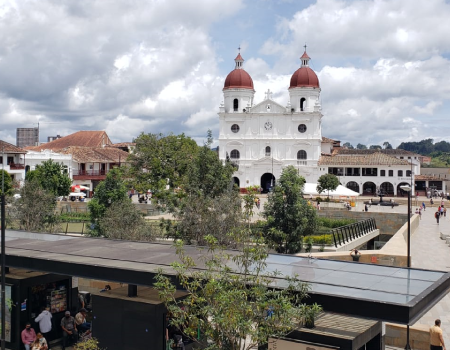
pixel 401 157
pixel 400 173
pixel 235 105
pixel 408 173
pixel 301 154
pixel 302 104
pixel 1 160
pixel 235 154
pixel 10 160
pixel 235 128
pixel 302 128
pixel 382 172
pixel 391 172
pixel 369 171
pixel 336 171
pixel 352 172
pixel 267 151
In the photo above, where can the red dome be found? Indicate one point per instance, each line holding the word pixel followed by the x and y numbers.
pixel 304 77
pixel 238 79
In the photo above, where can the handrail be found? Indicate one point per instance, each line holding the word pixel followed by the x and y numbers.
pixel 352 231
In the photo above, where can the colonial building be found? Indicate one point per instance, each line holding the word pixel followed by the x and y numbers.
pixel 12 160
pixel 262 138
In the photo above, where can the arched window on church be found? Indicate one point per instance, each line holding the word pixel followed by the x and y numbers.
pixel 268 151
pixel 301 154
pixel 302 104
pixel 235 105
pixel 235 154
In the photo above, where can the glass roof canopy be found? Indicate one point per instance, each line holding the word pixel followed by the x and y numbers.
pixel 385 293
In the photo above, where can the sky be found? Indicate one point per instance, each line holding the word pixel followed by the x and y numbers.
pixel 133 66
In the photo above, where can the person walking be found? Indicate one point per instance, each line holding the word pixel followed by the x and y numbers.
pixel 28 336
pixel 437 215
pixel 436 338
pixel 366 208
pixel 423 206
pixel 45 324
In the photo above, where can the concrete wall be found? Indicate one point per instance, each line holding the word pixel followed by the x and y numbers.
pixel 419 336
pixel 388 223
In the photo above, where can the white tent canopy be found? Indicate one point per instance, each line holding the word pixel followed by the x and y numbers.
pixel 340 191
pixel 77 194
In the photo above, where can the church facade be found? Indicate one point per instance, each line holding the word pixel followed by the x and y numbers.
pixel 263 138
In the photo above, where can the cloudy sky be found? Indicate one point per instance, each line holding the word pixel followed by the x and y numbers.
pixel 132 66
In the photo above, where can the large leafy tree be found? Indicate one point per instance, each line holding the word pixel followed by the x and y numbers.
pixel 231 300
pixel 361 146
pixel 327 182
pixel 51 177
pixel 7 183
pixel 35 209
pixel 375 147
pixel 348 145
pixel 208 204
pixel 159 160
pixel 289 216
pixel 108 192
pixel 387 145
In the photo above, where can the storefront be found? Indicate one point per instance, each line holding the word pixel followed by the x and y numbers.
pixel 27 293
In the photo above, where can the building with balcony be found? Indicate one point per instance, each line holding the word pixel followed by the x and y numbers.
pixel 12 160
pixel 34 158
pixel 92 155
pixel 263 138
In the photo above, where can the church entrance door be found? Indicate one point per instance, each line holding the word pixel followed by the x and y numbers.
pixel 267 182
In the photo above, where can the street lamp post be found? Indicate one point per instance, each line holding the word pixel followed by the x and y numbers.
pixel 408 189
pixel 3 260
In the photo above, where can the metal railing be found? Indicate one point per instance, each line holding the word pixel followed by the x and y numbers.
pixel 89 172
pixel 346 234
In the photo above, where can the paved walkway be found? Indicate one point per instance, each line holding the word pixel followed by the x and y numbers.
pixel 429 252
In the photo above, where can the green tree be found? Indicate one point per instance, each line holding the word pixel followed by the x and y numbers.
pixel 375 147
pixel 122 220
pixel 289 216
pixel 231 299
pixel 51 177
pixel 159 160
pixel 108 192
pixel 35 209
pixel 361 146
pixel 208 204
pixel 8 183
pixel 327 182
pixel 387 145
pixel 348 145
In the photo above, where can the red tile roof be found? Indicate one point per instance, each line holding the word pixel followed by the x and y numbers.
pixel 391 152
pixel 96 154
pixel 327 140
pixel 80 138
pixel 9 148
pixel 428 178
pixel 376 158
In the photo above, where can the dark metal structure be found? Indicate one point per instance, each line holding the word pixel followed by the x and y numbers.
pixel 391 294
pixel 347 233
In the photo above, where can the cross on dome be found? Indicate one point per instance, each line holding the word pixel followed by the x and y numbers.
pixel 239 60
pixel 305 58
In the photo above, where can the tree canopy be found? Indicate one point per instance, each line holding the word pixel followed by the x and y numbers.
pixel 160 160
pixel 289 216
pixel 8 183
pixel 361 146
pixel 327 182
pixel 51 177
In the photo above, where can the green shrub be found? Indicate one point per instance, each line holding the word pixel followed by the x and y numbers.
pixel 74 217
pixel 334 223
pixel 322 239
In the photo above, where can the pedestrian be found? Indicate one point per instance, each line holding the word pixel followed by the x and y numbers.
pixel 45 324
pixel 40 343
pixel 423 206
pixel 81 301
pixel 366 208
pixel 431 201
pixel 318 205
pixel 28 336
pixel 259 203
pixel 392 203
pixel 442 210
pixel 436 338
pixel 69 328
pixel 80 320
pixel 437 215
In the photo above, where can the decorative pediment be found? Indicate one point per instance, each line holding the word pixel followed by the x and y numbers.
pixel 268 106
pixel 267 160
pixel 235 143
pixel 302 143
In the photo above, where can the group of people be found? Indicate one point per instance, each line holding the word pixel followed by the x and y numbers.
pixel 71 327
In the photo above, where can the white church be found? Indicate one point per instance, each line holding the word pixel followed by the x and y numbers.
pixel 263 138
